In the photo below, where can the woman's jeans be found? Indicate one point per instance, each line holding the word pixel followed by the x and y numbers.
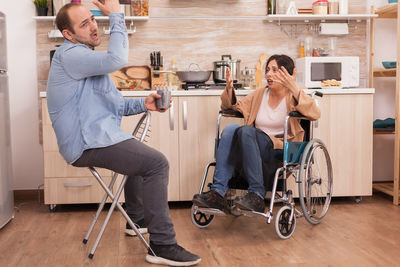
pixel 255 147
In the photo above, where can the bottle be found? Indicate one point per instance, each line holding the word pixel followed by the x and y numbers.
pixel 343 7
pixel 173 80
pixel 271 7
pixel 302 52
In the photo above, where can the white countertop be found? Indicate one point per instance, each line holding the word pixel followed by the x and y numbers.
pixel 197 92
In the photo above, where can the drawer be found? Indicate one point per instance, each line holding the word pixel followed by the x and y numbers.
pixel 73 190
pixel 55 166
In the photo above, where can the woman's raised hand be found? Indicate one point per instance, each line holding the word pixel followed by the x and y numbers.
pixel 229 79
pixel 289 81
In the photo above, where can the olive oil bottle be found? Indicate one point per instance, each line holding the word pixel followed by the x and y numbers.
pixel 271 7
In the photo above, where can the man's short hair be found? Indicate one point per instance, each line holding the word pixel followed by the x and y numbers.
pixel 62 20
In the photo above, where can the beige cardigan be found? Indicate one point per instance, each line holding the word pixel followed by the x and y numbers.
pixel 250 104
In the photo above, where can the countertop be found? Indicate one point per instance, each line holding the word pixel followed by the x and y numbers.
pixel 197 92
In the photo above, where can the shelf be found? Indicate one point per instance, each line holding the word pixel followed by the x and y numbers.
pixel 308 18
pixel 388 11
pixel 383 132
pixel 98 18
pixel 386 188
pixel 380 72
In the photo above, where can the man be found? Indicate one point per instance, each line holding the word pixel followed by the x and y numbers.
pixel 86 110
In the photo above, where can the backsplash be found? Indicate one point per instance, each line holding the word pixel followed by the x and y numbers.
pixel 203 40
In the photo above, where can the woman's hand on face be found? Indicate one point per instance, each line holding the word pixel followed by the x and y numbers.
pixel 289 81
pixel 108 6
pixel 229 79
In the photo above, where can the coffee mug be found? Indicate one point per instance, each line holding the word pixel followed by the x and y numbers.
pixel 164 101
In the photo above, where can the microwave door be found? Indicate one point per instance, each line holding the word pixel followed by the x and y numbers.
pixel 321 71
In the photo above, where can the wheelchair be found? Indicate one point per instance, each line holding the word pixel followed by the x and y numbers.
pixel 307 162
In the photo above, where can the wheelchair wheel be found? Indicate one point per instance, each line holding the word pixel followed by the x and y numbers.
pixel 315 187
pixel 200 219
pixel 283 228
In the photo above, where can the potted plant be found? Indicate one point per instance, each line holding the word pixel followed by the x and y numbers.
pixel 41 7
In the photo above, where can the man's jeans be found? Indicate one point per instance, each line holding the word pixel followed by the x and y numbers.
pixel 256 147
pixel 147 171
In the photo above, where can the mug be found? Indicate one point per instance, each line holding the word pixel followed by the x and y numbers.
pixel 164 101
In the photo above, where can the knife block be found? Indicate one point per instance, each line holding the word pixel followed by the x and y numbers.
pixel 157 78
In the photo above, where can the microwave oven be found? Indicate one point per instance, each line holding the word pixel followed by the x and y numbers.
pixel 311 72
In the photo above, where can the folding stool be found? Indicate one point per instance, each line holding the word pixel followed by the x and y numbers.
pixel 140 132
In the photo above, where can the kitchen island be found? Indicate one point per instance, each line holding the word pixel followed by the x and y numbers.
pixel 185 135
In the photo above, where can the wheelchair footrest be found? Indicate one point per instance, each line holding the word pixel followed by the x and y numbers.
pixel 251 213
pixel 211 211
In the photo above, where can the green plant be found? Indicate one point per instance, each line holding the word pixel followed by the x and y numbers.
pixel 40 3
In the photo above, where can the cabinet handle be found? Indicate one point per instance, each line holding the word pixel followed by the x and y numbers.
pixel 184 115
pixel 83 184
pixel 171 117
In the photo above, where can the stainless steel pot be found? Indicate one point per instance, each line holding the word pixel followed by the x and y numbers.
pixel 193 76
pixel 190 76
pixel 219 72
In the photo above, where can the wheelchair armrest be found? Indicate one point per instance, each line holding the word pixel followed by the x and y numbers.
pixel 231 113
pixel 296 114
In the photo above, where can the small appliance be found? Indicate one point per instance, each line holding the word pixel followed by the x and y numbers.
pixel 317 72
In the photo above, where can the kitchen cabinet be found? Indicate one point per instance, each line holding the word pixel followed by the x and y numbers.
pixel 63 183
pixel 390 11
pixel 185 135
pixel 345 129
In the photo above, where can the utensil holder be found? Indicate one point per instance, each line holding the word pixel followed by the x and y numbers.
pixel 157 78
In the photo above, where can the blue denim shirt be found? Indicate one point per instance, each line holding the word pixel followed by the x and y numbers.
pixel 84 105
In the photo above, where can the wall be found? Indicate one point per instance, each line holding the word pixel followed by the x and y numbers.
pixel 21 44
pixel 385 89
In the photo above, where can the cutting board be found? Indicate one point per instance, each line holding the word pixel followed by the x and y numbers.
pixel 132 78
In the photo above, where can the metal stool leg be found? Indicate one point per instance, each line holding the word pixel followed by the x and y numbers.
pixel 115 203
pixel 100 209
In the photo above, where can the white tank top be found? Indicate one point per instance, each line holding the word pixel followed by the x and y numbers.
pixel 271 121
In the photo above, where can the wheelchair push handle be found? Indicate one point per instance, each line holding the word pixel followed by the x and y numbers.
pixel 317 93
pixel 231 113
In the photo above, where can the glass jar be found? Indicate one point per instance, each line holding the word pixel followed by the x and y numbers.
pixel 136 8
pixel 145 7
pixel 320 7
pixel 333 7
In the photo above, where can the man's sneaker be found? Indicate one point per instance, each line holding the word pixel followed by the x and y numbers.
pixel 172 255
pixel 139 225
pixel 210 199
pixel 250 201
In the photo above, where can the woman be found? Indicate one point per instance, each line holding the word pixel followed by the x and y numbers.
pixel 264 112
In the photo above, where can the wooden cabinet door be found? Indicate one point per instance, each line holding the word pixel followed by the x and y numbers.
pixel 163 136
pixel 197 130
pixel 345 127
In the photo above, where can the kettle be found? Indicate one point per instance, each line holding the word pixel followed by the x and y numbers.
pixel 219 72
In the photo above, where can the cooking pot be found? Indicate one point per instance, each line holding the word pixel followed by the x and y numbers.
pixel 219 73
pixel 191 76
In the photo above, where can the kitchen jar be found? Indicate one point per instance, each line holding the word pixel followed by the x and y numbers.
pixel 145 7
pixel 136 8
pixel 219 72
pixel 343 7
pixel 333 7
pixel 320 7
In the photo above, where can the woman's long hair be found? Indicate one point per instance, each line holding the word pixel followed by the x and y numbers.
pixel 282 60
